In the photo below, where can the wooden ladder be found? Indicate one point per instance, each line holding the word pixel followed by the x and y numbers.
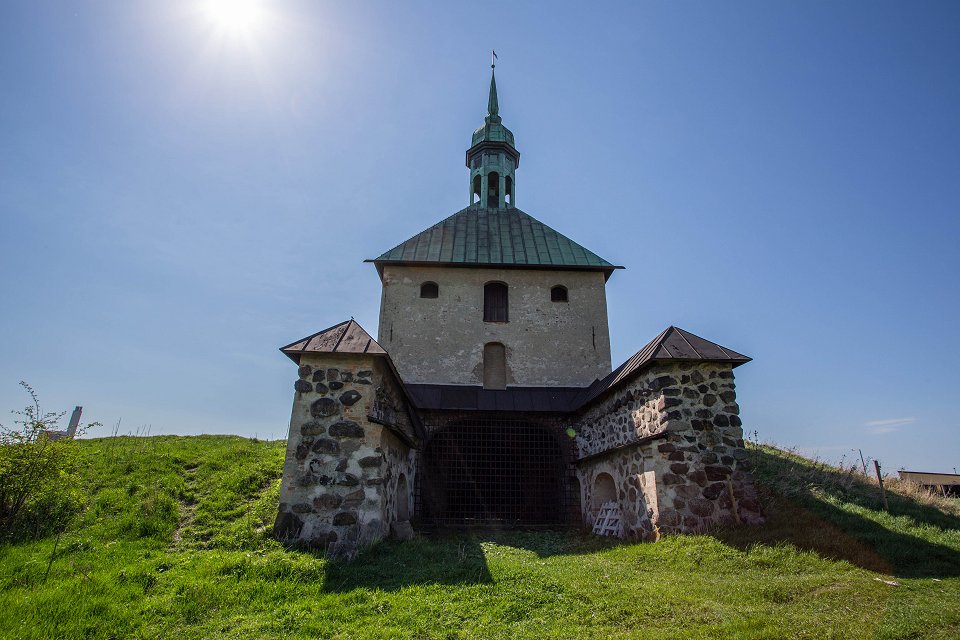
pixel 609 521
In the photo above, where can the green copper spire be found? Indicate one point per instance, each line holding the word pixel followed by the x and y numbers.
pixel 493 108
pixel 492 157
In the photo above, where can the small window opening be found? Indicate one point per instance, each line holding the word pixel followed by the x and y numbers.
pixel 477 181
pixel 493 190
pixel 429 290
pixel 495 305
pixel 508 190
pixel 494 366
pixel 558 294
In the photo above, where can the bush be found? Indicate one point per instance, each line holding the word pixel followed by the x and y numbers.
pixel 40 492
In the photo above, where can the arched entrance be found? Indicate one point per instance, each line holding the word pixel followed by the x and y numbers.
pixel 494 472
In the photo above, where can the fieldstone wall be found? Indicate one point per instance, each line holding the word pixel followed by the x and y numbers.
pixel 634 486
pixel 348 444
pixel 672 441
pixel 400 463
pixel 631 412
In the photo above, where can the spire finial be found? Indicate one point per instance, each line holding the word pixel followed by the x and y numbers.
pixel 493 107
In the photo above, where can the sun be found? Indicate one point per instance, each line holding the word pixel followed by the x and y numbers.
pixel 235 17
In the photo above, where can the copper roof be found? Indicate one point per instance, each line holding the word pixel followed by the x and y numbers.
pixel 478 236
pixel 346 337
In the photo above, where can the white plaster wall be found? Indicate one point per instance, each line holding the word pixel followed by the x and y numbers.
pixel 441 340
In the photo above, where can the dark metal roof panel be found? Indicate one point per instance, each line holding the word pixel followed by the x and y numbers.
pixel 467 398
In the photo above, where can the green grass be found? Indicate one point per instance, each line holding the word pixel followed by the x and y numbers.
pixel 175 543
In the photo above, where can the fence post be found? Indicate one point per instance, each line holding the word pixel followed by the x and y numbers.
pixel 883 492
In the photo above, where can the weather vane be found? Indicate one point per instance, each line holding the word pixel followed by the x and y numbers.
pixel 493 59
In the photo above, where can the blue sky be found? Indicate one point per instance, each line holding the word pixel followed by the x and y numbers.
pixel 178 200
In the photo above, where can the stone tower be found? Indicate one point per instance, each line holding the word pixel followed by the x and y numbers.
pixel 492 296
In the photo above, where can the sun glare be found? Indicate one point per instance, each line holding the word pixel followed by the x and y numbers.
pixel 235 17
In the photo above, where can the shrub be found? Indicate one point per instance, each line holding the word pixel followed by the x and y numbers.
pixel 39 490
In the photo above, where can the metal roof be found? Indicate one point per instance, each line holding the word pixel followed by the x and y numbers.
pixel 494 237
pixel 673 344
pixel 493 129
pixel 346 337
pixel 928 477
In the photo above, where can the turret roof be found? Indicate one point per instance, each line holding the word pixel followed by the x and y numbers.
pixel 346 337
pixel 493 129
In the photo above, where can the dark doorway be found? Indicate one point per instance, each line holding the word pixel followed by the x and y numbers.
pixel 495 473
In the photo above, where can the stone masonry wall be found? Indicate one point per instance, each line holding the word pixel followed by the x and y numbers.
pixel 341 467
pixel 631 412
pixel 672 440
pixel 634 484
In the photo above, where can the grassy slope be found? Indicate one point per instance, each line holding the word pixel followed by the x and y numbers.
pixel 175 543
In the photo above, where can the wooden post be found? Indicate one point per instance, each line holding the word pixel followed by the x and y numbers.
pixel 883 493
pixel 863 462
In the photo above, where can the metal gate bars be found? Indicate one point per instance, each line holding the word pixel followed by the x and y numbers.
pixel 495 472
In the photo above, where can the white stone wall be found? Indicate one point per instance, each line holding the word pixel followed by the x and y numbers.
pixel 547 343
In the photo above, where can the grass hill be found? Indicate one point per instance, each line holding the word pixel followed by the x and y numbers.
pixel 175 542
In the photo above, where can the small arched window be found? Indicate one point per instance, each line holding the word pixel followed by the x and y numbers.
pixel 494 366
pixel 558 294
pixel 429 290
pixel 495 305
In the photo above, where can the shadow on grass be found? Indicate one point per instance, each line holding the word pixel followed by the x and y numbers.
pixel 392 565
pixel 452 558
pixel 838 515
